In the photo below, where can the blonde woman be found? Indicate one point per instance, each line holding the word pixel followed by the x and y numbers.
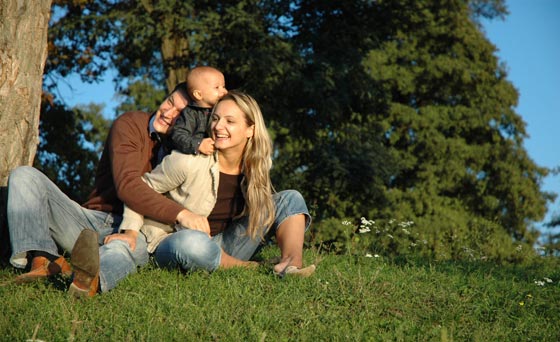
pixel 230 204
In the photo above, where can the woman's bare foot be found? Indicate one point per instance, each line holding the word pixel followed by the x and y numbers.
pixel 282 266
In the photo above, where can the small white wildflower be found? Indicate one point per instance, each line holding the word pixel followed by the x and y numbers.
pixel 412 244
pixel 391 221
pixel 367 222
pixel 539 282
pixel 519 248
pixel 405 224
pixel 391 236
pixel 376 255
pixel 405 231
pixel 346 223
pixel 548 280
pixel 368 255
pixel 364 229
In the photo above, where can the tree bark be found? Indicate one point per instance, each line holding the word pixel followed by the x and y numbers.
pixel 174 50
pixel 23 51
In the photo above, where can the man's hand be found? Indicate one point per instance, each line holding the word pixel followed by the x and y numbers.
pixel 206 146
pixel 128 236
pixel 191 220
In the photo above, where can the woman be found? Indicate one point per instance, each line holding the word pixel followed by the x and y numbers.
pixel 230 204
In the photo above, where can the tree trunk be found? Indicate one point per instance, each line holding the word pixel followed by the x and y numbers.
pixel 175 51
pixel 23 51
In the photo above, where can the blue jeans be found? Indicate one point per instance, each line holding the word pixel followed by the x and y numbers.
pixel 43 218
pixel 191 249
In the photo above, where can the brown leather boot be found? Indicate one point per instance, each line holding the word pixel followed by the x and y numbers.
pixel 85 260
pixel 42 268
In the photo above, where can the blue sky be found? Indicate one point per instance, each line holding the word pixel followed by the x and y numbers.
pixel 528 42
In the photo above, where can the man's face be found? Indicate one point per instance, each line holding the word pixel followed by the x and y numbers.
pixel 169 111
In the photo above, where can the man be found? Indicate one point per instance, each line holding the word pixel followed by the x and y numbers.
pixel 41 218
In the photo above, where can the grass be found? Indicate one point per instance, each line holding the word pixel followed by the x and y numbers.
pixel 349 298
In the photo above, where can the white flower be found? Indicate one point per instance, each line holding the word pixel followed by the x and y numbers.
pixel 405 224
pixel 368 255
pixel 548 280
pixel 539 282
pixel 364 229
pixel 366 222
pixel 346 223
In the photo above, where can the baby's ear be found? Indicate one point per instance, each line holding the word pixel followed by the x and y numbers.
pixel 197 95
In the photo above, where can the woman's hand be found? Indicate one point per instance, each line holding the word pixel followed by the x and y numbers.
pixel 128 236
pixel 191 220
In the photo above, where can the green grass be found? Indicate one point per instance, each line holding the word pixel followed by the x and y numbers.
pixel 349 298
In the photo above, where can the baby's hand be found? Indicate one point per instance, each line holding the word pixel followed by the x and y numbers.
pixel 206 146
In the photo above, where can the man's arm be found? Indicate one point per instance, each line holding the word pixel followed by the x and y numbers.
pixel 130 153
pixel 170 174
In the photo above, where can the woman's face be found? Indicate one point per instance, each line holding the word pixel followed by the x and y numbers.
pixel 229 127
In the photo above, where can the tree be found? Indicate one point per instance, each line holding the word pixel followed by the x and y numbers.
pixel 23 49
pixel 331 144
pixel 450 117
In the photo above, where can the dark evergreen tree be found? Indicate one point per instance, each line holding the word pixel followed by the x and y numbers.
pixel 466 177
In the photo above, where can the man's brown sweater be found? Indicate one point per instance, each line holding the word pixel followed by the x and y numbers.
pixel 129 153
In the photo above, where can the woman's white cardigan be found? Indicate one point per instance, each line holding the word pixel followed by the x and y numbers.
pixel 190 180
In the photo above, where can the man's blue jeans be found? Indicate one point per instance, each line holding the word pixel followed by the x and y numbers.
pixel 192 249
pixel 42 218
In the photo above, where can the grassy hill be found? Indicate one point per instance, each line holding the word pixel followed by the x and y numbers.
pixel 349 298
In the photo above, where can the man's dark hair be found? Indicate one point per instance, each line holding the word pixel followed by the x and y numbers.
pixel 182 87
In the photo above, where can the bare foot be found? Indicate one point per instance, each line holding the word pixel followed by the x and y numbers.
pixel 280 268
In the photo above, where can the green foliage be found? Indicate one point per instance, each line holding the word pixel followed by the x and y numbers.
pixel 428 238
pixel 330 143
pixel 141 95
pixel 71 142
pixel 349 298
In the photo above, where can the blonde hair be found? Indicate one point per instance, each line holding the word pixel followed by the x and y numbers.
pixel 257 162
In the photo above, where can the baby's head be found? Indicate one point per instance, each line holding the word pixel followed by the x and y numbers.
pixel 206 85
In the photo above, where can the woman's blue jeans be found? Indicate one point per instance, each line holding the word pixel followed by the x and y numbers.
pixel 192 249
pixel 42 218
